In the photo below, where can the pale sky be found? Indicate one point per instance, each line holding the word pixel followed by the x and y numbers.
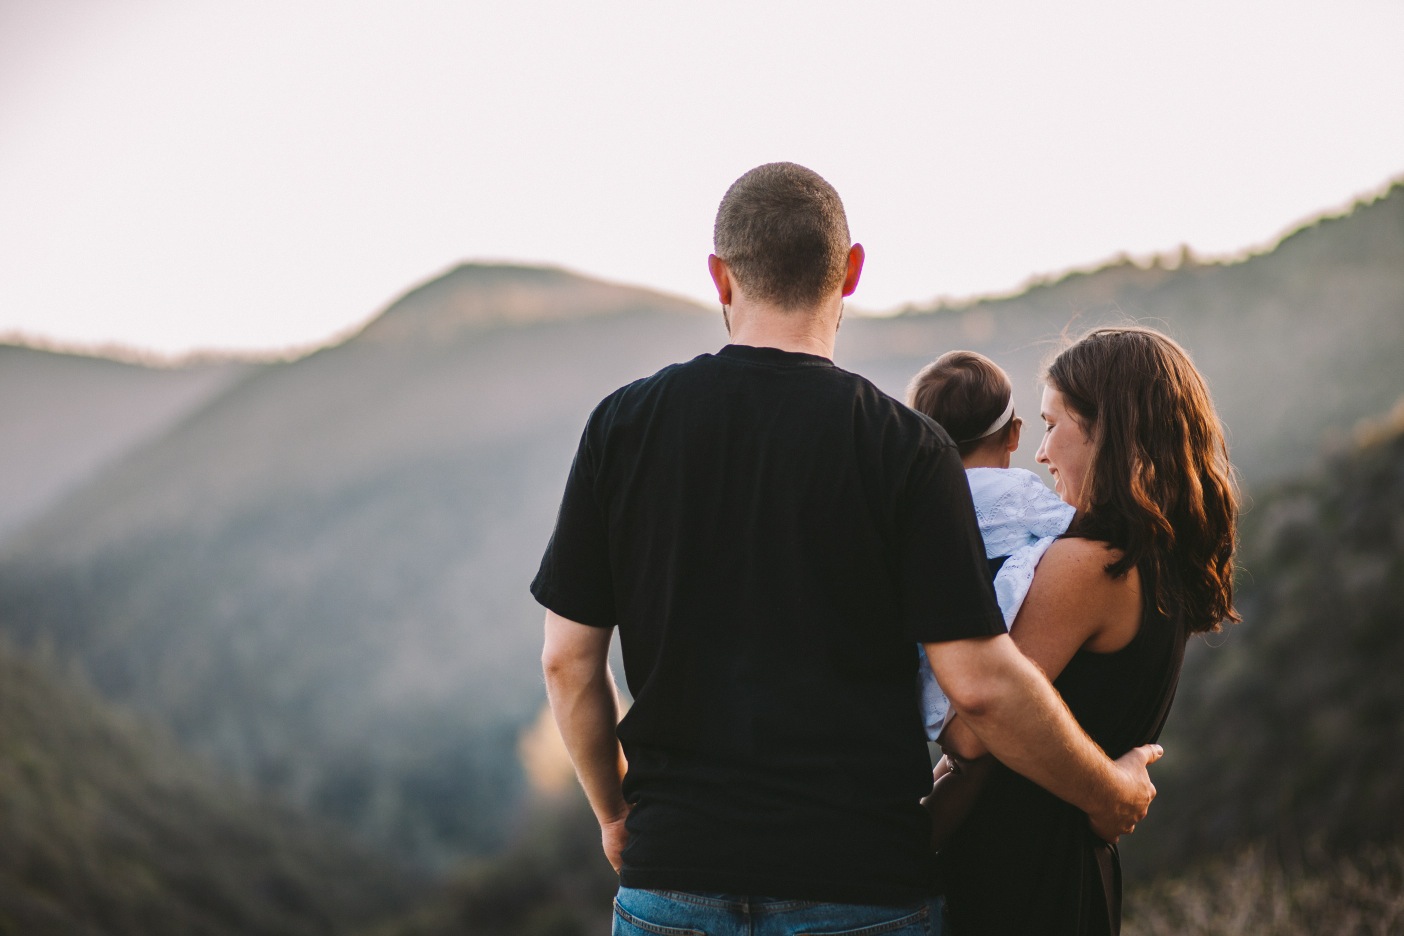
pixel 193 174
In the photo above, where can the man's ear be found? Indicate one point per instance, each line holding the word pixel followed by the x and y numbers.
pixel 721 276
pixel 855 269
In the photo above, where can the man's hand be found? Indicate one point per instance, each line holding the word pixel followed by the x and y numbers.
pixel 614 837
pixel 1119 817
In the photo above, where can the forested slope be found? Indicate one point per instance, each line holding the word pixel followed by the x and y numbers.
pixel 1287 728
pixel 106 829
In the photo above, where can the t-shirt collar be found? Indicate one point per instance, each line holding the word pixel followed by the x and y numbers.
pixel 773 356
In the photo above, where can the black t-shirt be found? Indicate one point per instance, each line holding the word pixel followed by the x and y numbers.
pixel 772 535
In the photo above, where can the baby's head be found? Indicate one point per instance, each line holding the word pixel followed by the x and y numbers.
pixel 972 399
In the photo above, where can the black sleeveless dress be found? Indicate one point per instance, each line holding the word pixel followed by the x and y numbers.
pixel 1025 862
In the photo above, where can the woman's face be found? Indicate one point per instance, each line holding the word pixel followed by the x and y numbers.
pixel 1065 449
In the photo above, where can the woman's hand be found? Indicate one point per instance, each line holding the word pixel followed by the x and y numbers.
pixel 955 786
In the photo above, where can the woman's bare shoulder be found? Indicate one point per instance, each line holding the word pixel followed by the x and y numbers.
pixel 1082 559
pixel 1076 569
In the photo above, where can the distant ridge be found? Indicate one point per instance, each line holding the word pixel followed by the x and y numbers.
pixel 1297 343
pixel 1123 271
pixel 65 416
pixel 474 296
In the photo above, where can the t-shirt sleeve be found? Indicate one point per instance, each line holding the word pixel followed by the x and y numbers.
pixel 946 591
pixel 574 579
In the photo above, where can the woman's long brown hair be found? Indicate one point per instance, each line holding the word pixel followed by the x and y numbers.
pixel 1160 487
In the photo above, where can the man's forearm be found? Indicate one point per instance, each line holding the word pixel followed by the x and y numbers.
pixel 585 704
pixel 1023 721
pixel 1035 735
pixel 587 715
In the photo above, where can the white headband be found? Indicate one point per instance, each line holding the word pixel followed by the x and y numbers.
pixel 998 424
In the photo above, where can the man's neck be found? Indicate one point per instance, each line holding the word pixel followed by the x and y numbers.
pixel 805 331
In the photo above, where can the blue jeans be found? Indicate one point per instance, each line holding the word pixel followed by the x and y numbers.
pixel 670 913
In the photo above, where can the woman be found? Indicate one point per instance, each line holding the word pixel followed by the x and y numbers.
pixel 1133 443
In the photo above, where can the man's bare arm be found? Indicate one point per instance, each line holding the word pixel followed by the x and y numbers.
pixel 585 703
pixel 1008 703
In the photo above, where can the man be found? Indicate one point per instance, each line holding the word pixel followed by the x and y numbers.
pixel 771 535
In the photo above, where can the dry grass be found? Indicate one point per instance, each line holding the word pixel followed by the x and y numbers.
pixel 1253 891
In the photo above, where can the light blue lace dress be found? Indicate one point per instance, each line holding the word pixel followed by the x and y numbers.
pixel 1019 517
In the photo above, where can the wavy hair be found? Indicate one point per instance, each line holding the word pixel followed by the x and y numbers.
pixel 1160 486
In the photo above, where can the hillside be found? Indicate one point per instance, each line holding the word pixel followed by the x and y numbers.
pixel 1286 728
pixel 318 579
pixel 107 830
pixel 65 416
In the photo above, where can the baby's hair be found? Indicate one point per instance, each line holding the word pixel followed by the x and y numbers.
pixel 968 394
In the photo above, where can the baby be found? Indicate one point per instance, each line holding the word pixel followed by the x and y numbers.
pixel 972 398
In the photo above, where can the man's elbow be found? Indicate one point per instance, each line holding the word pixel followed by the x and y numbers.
pixel 552 664
pixel 976 673
pixel 971 698
pixel 572 654
pixel 560 667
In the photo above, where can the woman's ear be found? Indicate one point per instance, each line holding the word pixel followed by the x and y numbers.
pixel 1015 430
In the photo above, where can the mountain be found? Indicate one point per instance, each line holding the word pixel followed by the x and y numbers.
pixel 474 297
pixel 106 829
pixel 318 579
pixel 65 416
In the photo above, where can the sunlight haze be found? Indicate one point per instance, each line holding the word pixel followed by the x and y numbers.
pixel 178 176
